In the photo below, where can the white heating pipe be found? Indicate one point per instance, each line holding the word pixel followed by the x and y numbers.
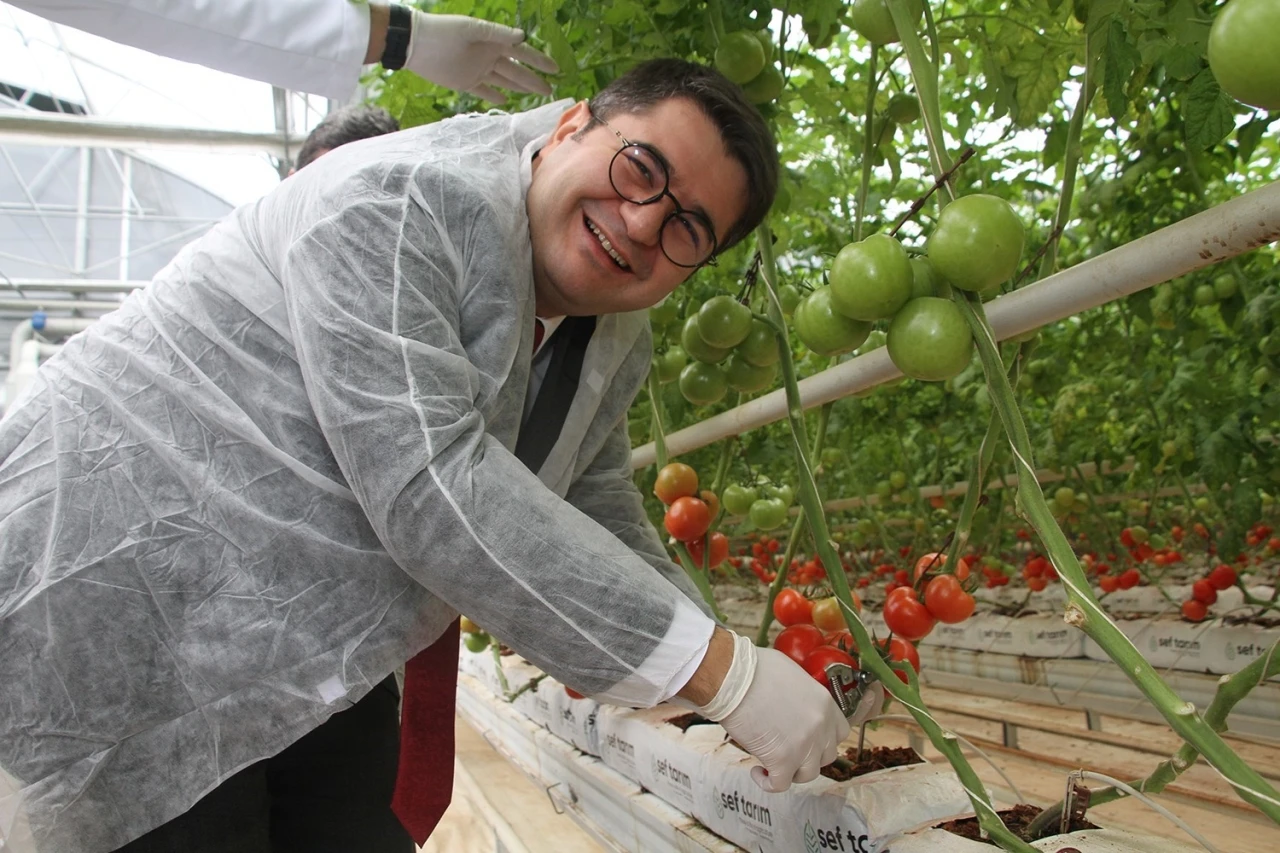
pixel 1230 229
pixel 53 327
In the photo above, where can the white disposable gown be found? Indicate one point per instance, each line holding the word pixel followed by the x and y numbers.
pixel 314 46
pixel 234 505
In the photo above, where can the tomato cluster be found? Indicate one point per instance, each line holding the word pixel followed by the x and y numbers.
pixel 814 635
pixel 690 514
pixel 1204 592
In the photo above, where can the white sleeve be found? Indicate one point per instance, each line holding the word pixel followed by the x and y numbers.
pixel 315 46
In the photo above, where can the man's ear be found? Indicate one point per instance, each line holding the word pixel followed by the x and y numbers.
pixel 571 121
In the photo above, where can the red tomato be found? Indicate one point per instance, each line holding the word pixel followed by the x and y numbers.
pixel 1222 577
pixel 687 518
pixel 676 480
pixel 792 608
pixel 572 694
pixel 1109 583
pixel 1194 611
pixel 797 641
pixel 827 614
pixel 841 640
pixel 1203 591
pixel 906 616
pixel 1129 578
pixel 713 503
pixel 1036 584
pixel 947 601
pixel 818 660
pixel 901 650
pixel 933 562
pixel 719 549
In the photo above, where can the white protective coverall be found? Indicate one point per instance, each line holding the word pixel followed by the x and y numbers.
pixel 233 506
pixel 315 46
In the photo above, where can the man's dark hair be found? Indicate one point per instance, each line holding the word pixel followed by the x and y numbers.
pixel 348 124
pixel 745 135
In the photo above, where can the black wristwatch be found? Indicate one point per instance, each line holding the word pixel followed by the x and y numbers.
pixel 399 29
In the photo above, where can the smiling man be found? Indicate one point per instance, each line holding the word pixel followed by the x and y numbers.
pixel 233 507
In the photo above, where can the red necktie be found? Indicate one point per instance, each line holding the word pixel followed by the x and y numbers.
pixel 424 778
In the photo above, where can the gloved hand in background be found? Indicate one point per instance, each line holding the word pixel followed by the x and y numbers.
pixel 474 56
pixel 777 712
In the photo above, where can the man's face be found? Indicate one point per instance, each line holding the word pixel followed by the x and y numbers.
pixel 571 199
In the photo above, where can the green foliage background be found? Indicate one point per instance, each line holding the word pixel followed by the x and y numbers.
pixel 1160 142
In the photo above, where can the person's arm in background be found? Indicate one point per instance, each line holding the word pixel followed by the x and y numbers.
pixel 315 46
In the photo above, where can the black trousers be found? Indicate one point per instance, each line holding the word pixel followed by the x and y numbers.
pixel 328 793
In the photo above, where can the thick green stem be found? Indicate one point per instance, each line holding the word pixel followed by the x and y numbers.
pixel 868 146
pixel 1083 609
pixel 907 694
pixel 1231 690
pixel 925 75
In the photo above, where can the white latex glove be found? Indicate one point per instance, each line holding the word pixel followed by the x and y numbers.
pixel 779 714
pixel 471 55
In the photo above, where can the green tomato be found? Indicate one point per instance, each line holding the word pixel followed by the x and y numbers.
pixel 1225 287
pixel 872 279
pixel 1270 344
pixel 695 346
pixel 739 56
pixel 476 642
pixel 930 340
pixel 703 384
pixel 723 321
pixel 873 22
pixel 1204 294
pixel 824 331
pixel 904 109
pixel 784 493
pixel 977 243
pixel 669 364
pixel 760 346
pixel 664 313
pixel 765 86
pixel 745 377
pixel 1065 497
pixel 789 297
pixel 925 280
pixel 766 43
pixel 738 499
pixel 767 513
pixel 1243 54
pixel 898 480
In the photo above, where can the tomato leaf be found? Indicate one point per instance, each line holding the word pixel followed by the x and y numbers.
pixel 1207 112
pixel 1055 144
pixel 1248 137
pixel 1121 61
pixel 557 42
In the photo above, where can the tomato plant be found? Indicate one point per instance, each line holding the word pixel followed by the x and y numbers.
pixel 872 279
pixel 947 601
pixel 719 550
pixel 687 518
pixel 977 243
pixel 823 329
pixel 798 640
pixel 1242 52
pixel 906 616
pixel 823 656
pixel 930 340
pixel 792 608
pixel 675 480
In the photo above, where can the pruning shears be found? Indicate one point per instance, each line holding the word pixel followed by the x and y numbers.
pixel 851 687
